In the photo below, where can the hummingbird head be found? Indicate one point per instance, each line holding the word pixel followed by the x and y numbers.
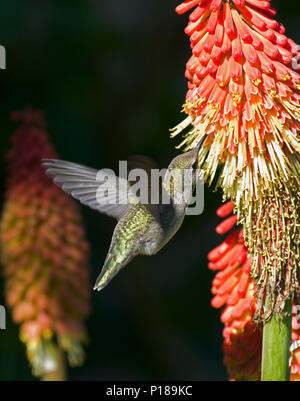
pixel 187 160
pixel 182 176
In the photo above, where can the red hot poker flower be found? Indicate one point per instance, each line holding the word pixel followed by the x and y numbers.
pixel 44 251
pixel 234 292
pixel 243 93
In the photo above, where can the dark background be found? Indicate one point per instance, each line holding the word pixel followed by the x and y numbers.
pixel 110 78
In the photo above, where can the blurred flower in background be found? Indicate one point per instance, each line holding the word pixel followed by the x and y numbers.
pixel 243 92
pixel 44 253
pixel 234 291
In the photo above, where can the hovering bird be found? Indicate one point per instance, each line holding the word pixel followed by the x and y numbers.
pixel 142 228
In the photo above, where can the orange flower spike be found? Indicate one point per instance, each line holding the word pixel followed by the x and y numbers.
pixel 43 250
pixel 243 94
pixel 234 291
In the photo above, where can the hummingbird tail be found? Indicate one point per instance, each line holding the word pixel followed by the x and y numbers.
pixel 111 268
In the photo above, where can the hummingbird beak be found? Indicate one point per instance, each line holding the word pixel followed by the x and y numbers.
pixel 196 165
pixel 197 149
pixel 201 142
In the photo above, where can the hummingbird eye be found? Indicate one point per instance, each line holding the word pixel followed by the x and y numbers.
pixel 195 165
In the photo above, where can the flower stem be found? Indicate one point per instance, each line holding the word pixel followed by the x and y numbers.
pixel 276 345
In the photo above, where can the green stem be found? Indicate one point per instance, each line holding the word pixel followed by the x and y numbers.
pixel 276 345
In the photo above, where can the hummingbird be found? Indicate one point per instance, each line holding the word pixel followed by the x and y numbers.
pixel 143 227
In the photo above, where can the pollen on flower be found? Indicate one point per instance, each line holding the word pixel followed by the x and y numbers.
pixel 243 95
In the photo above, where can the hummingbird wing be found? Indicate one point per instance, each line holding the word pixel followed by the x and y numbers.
pixel 101 190
pixel 142 162
pixel 145 163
